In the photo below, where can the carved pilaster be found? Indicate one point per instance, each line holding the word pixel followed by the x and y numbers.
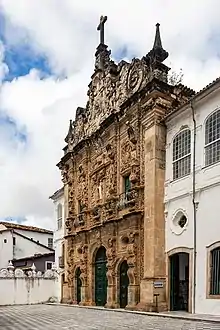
pixel 111 257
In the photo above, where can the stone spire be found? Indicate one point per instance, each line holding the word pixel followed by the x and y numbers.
pixel 157 52
pixel 102 53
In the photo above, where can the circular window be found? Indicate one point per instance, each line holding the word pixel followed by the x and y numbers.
pixel 178 223
pixel 182 221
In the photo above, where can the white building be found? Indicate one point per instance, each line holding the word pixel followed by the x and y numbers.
pixel 59 215
pixel 22 242
pixel 192 203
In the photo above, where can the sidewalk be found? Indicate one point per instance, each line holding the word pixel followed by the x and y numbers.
pixel 175 315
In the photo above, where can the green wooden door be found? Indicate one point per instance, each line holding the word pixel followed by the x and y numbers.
pixel 100 277
pixel 124 282
pixel 78 285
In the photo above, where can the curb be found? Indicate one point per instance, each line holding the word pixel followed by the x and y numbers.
pixel 187 317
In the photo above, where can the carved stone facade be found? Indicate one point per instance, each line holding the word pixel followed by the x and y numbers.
pixel 113 173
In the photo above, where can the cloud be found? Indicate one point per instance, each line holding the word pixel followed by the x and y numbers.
pixel 3 66
pixel 63 33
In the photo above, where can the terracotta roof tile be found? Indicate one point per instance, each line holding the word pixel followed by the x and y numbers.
pixel 11 225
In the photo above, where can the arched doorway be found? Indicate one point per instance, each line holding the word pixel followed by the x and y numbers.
pixel 78 285
pixel 100 277
pixel 124 282
pixel 179 281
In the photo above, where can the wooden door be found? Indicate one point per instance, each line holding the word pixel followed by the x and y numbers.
pixel 100 277
pixel 124 282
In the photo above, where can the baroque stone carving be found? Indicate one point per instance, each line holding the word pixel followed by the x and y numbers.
pixel 135 76
pixel 132 257
pixel 83 263
pixel 111 255
pixel 81 185
pixel 100 151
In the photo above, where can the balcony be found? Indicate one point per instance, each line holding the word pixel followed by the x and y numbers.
pixel 61 262
pixel 127 199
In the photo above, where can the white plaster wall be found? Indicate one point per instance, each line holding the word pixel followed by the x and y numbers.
pixel 41 237
pixel 178 196
pixel 15 291
pixel 25 248
pixel 6 249
pixel 58 240
pixel 209 214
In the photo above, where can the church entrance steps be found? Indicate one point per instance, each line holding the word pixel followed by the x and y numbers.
pixel 173 315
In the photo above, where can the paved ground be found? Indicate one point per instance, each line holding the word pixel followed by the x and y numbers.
pixel 45 317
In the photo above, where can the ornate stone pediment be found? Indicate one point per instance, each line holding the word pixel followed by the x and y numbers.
pixel 107 92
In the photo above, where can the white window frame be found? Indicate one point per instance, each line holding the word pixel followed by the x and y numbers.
pixel 188 155
pixel 207 144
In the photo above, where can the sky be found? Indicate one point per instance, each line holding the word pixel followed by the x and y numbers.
pixel 46 61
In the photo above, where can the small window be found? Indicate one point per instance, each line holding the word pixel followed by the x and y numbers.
pixel 50 242
pixel 182 154
pixel 59 216
pixel 49 265
pixel 212 139
pixel 14 241
pixel 127 184
pixel 215 272
pixel 182 221
pixel 5 240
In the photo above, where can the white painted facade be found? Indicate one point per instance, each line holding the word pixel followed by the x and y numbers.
pixel 59 232
pixel 36 236
pixel 179 198
pixel 17 243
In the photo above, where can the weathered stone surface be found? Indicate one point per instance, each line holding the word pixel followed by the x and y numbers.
pixel 119 134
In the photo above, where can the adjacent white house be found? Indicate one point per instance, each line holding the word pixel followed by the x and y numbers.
pixel 192 203
pixel 59 232
pixel 20 243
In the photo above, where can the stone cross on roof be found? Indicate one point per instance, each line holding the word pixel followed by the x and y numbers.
pixel 100 28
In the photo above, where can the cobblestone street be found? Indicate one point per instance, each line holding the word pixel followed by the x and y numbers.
pixel 45 317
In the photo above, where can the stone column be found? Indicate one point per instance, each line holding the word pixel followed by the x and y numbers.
pixel 110 296
pixel 154 224
pixel 83 301
pixel 133 293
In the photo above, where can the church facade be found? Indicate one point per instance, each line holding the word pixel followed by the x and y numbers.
pixel 113 172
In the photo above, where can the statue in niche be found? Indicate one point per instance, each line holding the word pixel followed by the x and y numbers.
pixel 99 190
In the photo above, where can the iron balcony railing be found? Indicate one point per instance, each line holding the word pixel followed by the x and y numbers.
pixel 127 199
